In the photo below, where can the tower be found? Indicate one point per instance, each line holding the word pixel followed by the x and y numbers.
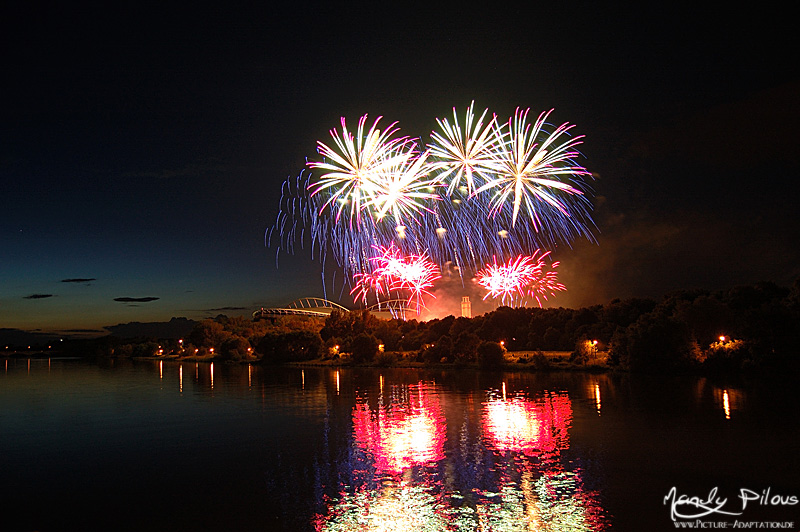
pixel 466 307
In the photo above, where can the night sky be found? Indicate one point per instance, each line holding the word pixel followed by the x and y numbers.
pixel 143 147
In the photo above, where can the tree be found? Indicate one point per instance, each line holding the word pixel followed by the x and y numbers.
pixel 461 325
pixel 296 346
pixel 235 348
pixel 388 333
pixel 438 328
pixel 584 349
pixel 145 349
pixel 553 339
pixel 490 354
pixel 364 348
pixel 347 325
pixel 656 342
pixel 706 317
pixel 440 351
pixel 465 348
pixel 208 333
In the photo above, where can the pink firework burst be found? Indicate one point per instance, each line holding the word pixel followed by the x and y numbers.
pixel 517 278
pixel 394 272
pixel 545 283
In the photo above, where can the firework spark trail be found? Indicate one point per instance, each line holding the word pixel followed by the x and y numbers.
pixel 546 285
pixel 530 166
pixel 506 280
pixel 402 187
pixel 374 172
pixel 464 153
pixel 294 213
pixel 416 276
pixel 520 277
pixel 354 164
pixel 544 282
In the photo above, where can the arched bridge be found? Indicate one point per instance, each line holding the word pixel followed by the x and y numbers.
pixel 307 306
pixel 394 308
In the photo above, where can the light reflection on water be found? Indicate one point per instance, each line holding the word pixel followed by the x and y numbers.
pixel 531 427
pixel 412 484
pixel 407 429
pixel 726 404
pixel 598 403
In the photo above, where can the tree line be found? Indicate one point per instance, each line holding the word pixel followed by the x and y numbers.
pixel 747 327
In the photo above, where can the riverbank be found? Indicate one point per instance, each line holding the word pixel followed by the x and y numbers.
pixel 512 360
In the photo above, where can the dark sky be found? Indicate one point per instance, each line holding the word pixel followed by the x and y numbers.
pixel 143 146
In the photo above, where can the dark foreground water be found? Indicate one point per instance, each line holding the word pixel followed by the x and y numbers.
pixel 148 445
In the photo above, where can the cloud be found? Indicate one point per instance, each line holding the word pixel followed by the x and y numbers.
pixel 79 280
pixel 38 296
pixel 135 299
pixel 224 308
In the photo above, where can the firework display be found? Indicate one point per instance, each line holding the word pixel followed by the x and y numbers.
pixel 392 213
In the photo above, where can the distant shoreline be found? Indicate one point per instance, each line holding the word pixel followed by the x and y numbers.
pixel 514 360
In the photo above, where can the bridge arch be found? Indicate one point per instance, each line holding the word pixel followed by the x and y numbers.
pixel 305 306
pixel 315 302
pixel 395 308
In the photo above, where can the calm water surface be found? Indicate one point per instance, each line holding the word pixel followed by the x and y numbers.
pixel 150 445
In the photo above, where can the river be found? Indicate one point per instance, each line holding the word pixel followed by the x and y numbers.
pixel 164 445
